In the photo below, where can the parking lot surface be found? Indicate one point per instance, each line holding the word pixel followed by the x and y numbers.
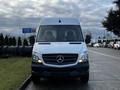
pixel 104 74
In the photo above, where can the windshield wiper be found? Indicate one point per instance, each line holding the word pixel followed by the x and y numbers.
pixel 45 43
pixel 75 43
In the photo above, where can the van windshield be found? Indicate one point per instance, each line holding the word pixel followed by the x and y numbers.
pixel 59 33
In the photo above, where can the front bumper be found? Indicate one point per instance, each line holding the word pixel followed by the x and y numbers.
pixel 78 70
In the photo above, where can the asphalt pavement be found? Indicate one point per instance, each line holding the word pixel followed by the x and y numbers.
pixel 104 74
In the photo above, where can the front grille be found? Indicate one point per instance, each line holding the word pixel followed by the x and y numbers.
pixel 53 58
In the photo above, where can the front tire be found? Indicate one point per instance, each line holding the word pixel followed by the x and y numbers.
pixel 85 78
pixel 35 79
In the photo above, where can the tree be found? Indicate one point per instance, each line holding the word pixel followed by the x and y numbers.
pixel 88 39
pixel 25 42
pixel 111 22
pixel 10 41
pixel 1 40
pixel 117 2
pixel 13 41
pixel 6 40
pixel 19 41
pixel 32 40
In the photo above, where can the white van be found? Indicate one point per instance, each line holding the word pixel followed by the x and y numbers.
pixel 60 50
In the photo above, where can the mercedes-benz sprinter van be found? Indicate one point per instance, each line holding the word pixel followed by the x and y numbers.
pixel 60 50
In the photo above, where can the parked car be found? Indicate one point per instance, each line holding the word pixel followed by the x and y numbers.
pixel 90 44
pixel 104 44
pixel 117 45
pixel 111 45
pixel 97 45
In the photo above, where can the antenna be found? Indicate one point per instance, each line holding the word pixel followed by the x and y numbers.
pixel 59 21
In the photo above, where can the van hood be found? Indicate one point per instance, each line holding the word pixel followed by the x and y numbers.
pixel 59 47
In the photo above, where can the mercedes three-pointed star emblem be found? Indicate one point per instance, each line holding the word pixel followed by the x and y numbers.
pixel 60 59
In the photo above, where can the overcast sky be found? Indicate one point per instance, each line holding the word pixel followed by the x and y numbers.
pixel 16 14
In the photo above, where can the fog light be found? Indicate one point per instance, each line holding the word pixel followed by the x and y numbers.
pixel 80 61
pixel 39 61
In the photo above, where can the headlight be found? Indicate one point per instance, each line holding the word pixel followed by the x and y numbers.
pixel 36 59
pixel 83 58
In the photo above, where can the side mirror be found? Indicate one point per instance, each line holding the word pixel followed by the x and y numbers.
pixel 87 39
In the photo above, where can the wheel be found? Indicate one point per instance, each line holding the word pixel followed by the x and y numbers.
pixel 84 79
pixel 118 48
pixel 35 79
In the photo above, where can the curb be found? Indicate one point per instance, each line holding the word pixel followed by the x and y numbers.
pixel 25 83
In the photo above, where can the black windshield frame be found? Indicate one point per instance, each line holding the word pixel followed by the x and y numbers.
pixel 59 31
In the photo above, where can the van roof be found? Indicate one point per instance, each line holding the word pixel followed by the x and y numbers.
pixel 60 21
